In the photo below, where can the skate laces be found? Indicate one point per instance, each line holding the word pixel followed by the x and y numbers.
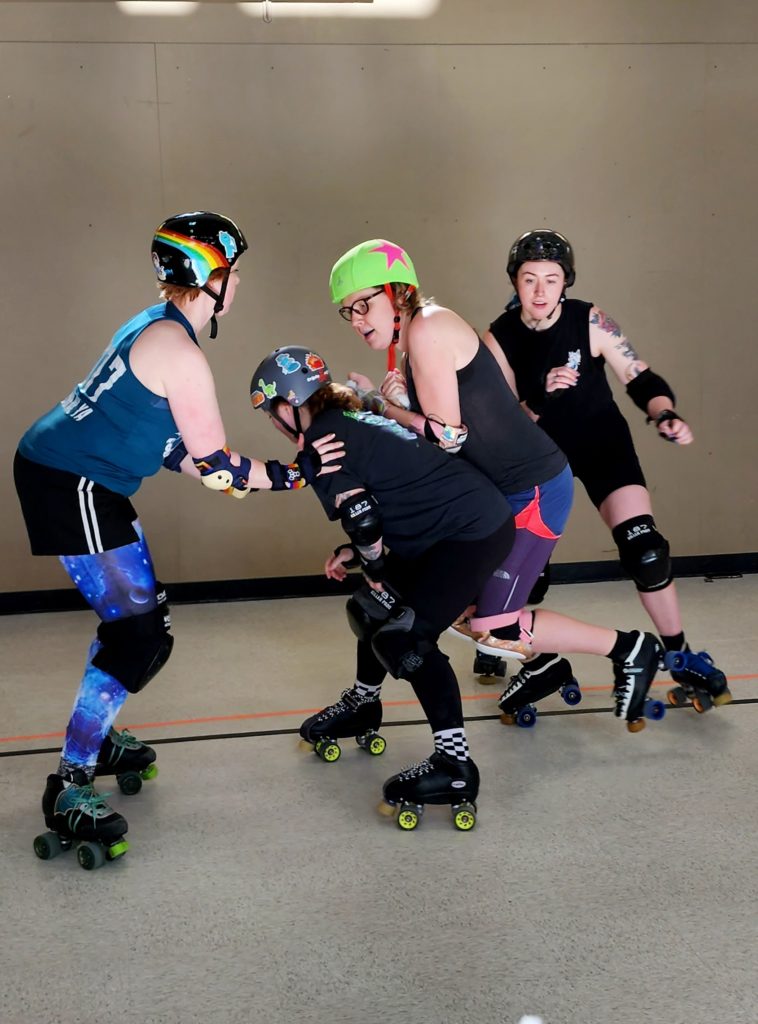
pixel 415 770
pixel 84 801
pixel 124 738
pixel 349 700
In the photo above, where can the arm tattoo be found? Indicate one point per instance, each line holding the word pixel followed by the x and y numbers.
pixel 606 323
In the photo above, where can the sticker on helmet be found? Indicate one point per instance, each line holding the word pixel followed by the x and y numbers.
pixel 287 364
pixel 229 243
pixel 160 270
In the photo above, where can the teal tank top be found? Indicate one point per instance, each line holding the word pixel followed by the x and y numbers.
pixel 111 428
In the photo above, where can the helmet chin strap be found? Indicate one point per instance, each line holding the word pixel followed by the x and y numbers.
pixel 396 320
pixel 219 297
pixel 296 416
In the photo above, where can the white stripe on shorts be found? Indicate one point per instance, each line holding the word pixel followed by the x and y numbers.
pixel 87 509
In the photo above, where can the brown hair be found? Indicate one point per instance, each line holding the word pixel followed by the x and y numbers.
pixel 407 298
pixel 333 396
pixel 178 293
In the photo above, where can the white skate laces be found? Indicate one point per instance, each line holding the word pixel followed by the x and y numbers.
pixel 416 770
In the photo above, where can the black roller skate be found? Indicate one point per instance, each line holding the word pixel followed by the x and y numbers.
pixel 543 675
pixel 698 678
pixel 131 761
pixel 634 676
pixel 438 780
pixel 352 715
pixel 489 668
pixel 78 816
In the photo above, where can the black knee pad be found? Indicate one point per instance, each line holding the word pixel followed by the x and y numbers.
pixel 135 649
pixel 644 553
pixel 400 646
pixel 368 609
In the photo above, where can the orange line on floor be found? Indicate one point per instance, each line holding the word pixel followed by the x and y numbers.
pixel 491 694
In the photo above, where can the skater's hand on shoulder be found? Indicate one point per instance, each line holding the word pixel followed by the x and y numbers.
pixel 328 448
pixel 395 389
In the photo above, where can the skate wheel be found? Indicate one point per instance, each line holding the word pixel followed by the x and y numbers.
pixel 376 746
pixel 150 772
pixel 655 710
pixel 129 783
pixel 701 704
pixel 677 697
pixel 48 845
pixel 571 693
pixel 527 717
pixel 386 810
pixel 305 745
pixel 408 819
pixel 117 850
pixel 488 668
pixel 464 817
pixel 674 661
pixel 637 725
pixel 90 856
pixel 705 656
pixel 508 719
pixel 328 751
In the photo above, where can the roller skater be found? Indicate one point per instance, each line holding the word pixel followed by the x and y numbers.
pixel 439 779
pixel 541 675
pixel 554 351
pixel 148 402
pixel 126 757
pixel 354 714
pixel 698 678
pixel 78 816
pixel 446 527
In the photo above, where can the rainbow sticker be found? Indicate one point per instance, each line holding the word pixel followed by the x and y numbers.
pixel 202 257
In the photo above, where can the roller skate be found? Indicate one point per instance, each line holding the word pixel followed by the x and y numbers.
pixel 131 761
pixel 698 678
pixel 78 816
pixel 352 715
pixel 633 677
pixel 438 780
pixel 543 675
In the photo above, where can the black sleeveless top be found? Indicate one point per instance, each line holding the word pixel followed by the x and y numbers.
pixel 532 354
pixel 503 443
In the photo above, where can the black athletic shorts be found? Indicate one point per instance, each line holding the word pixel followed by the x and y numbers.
pixel 66 514
pixel 602 455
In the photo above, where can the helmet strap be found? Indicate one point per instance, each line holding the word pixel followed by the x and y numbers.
pixel 298 428
pixel 219 297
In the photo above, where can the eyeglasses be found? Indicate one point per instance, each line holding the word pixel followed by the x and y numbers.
pixel 360 306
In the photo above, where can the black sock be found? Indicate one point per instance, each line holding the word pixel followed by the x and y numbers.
pixel 674 643
pixel 624 643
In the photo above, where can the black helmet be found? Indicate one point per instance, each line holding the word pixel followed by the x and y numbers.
pixel 292 373
pixel 542 246
pixel 187 248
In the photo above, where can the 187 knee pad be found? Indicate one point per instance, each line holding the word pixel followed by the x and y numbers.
pixel 134 649
pixel 368 609
pixel 400 646
pixel 644 553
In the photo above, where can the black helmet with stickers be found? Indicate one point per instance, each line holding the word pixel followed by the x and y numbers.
pixel 290 373
pixel 541 246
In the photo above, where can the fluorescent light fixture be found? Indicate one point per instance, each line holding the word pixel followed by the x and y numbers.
pixel 165 8
pixel 343 9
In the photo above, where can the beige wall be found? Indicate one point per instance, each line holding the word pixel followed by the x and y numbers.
pixel 630 126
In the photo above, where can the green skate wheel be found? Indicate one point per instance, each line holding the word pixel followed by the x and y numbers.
pixel 129 783
pixel 328 751
pixel 48 845
pixel 377 746
pixel 117 850
pixel 90 856
pixel 150 772
pixel 464 817
pixel 408 819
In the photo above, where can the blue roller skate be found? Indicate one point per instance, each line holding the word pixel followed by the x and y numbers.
pixel 698 678
pixel 542 675
pixel 352 715
pixel 633 678
pixel 130 760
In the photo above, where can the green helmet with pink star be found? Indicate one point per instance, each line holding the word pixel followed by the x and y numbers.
pixel 369 264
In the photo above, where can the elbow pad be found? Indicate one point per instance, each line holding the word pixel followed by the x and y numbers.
pixel 449 438
pixel 218 473
pixel 175 457
pixel 646 387
pixel 361 520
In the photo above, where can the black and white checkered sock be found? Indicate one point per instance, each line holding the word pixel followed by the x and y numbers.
pixel 452 742
pixel 364 690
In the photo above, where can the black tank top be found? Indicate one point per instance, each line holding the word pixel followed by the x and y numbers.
pixel 531 354
pixel 503 443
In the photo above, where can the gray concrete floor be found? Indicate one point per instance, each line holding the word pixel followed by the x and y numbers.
pixel 611 878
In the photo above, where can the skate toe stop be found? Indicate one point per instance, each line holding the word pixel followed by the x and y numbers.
pixel 508 719
pixel 637 725
pixel 386 810
pixel 723 698
pixel 305 745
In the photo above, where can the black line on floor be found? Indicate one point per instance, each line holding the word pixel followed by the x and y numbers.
pixel 385 725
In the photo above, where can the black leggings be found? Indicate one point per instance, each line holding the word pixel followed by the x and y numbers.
pixel 438 585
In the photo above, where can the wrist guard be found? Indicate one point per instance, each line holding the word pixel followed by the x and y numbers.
pixel 218 473
pixel 449 438
pixel 175 457
pixel 374 568
pixel 354 559
pixel 646 386
pixel 666 416
pixel 297 474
